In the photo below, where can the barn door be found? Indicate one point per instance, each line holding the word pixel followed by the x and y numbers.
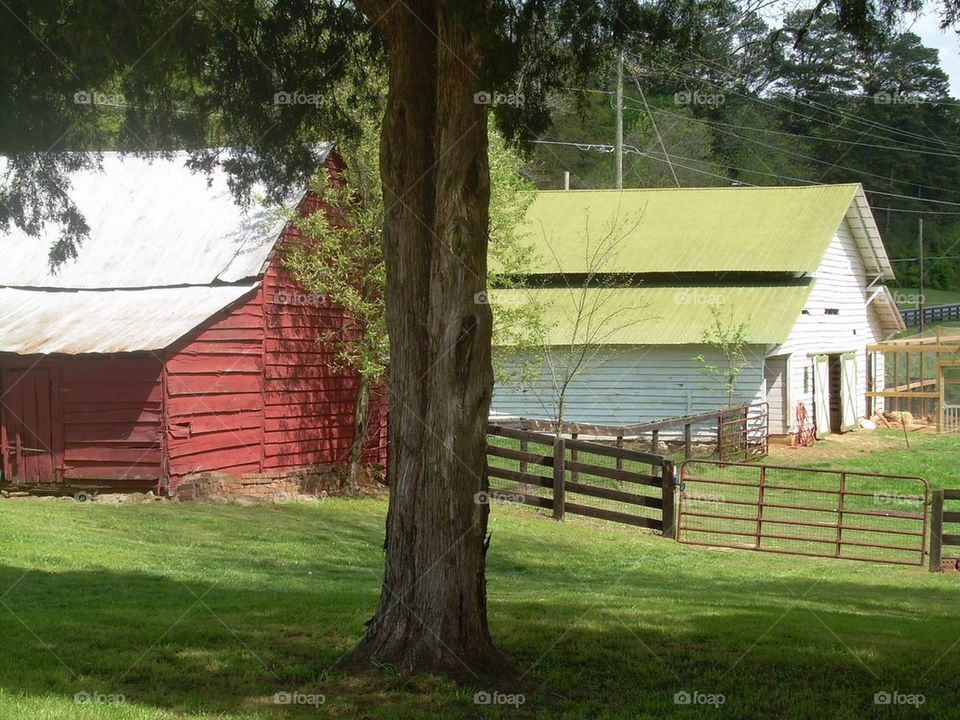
pixel 821 394
pixel 31 426
pixel 848 392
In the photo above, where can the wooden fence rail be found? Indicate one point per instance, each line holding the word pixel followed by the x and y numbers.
pixel 944 527
pixel 935 314
pixel 741 431
pixel 585 478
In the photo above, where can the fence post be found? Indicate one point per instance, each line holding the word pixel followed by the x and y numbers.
pixel 574 475
pixel 620 459
pixel 936 531
pixel 668 494
pixel 688 441
pixel 559 451
pixel 655 442
pixel 720 436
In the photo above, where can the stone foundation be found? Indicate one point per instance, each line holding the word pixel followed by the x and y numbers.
pixel 220 487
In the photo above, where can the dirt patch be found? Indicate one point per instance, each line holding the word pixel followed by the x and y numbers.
pixel 838 447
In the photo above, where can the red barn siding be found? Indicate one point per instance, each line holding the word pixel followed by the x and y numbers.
pixel 111 411
pixel 308 407
pixel 107 426
pixel 213 389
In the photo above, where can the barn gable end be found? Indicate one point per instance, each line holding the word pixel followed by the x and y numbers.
pixel 192 350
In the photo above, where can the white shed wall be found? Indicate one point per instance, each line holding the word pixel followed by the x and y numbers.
pixel 840 282
pixel 634 384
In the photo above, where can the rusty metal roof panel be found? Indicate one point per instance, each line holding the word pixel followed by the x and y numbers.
pixel 94 321
pixel 153 223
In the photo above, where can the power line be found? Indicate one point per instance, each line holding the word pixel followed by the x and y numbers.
pixel 817 160
pixel 822 108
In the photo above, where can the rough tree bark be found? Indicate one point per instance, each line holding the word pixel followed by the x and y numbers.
pixel 432 614
pixel 361 420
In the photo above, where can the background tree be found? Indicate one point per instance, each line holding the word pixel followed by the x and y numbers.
pixel 729 340
pixel 592 312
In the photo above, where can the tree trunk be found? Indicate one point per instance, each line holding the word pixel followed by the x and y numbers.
pixel 433 613
pixel 361 418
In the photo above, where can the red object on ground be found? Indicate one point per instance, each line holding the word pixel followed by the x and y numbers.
pixel 806 434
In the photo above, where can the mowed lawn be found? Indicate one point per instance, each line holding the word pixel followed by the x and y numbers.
pixel 192 611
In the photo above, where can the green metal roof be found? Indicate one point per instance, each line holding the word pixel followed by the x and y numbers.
pixel 733 229
pixel 662 315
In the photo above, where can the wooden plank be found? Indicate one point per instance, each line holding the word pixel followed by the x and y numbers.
pixel 667 500
pixel 614 474
pixel 951 517
pixel 188 364
pixel 519 455
pixel 111 455
pixel 559 456
pixel 951 494
pixel 518 477
pixel 213 384
pixel 614 452
pixel 614 516
pixel 534 437
pixel 615 495
pixel 951 540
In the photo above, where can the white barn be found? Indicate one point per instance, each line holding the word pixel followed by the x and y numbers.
pixel 801 268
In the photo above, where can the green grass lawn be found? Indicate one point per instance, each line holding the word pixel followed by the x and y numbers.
pixel 191 611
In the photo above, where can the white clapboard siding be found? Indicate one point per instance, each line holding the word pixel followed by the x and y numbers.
pixel 841 283
pixel 633 384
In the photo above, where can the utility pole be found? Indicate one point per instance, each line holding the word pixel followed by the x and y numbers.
pixel 920 299
pixel 618 143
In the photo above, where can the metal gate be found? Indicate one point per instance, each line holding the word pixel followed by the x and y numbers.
pixel 802 511
pixel 743 432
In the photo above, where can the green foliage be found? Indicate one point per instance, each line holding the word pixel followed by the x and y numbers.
pixel 729 339
pixel 343 259
pixel 340 256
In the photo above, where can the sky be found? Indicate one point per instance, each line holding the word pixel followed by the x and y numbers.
pixel 948 43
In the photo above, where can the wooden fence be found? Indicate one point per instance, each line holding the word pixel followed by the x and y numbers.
pixel 931 315
pixel 942 522
pixel 585 478
pixel 739 432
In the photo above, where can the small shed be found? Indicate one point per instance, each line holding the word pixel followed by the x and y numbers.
pixel 801 268
pixel 175 343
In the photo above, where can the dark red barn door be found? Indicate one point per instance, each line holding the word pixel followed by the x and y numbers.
pixel 31 428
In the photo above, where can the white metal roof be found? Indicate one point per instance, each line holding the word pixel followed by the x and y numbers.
pixel 106 321
pixel 153 223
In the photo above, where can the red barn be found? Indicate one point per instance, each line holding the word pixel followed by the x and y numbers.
pixel 175 343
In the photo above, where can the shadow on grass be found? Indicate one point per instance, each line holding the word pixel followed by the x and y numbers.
pixel 786 648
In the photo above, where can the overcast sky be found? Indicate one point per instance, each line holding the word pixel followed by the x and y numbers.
pixel 948 43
